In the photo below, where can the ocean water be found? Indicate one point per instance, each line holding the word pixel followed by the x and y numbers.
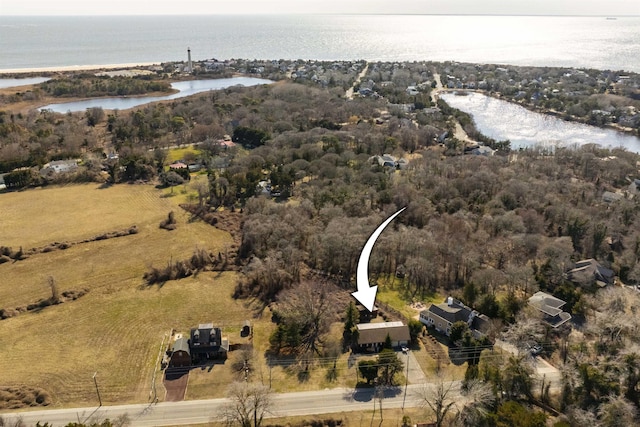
pixel 589 42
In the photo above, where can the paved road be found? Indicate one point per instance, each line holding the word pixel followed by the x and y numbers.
pixel 349 93
pixel 204 411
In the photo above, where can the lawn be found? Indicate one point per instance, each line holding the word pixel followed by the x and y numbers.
pixel 176 154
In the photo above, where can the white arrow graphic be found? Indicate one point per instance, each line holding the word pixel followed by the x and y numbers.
pixel 365 294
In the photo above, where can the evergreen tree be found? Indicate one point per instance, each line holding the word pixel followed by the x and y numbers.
pixel 389 366
pixel 368 370
pixel 388 345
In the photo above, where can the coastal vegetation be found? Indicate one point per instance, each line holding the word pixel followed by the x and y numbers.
pixel 90 86
pixel 304 175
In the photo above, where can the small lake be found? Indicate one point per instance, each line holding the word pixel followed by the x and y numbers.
pixel 186 88
pixel 502 120
pixel 6 83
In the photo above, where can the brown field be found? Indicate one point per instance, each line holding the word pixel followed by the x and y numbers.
pixel 117 328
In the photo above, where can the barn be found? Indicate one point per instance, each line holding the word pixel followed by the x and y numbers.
pixel 180 353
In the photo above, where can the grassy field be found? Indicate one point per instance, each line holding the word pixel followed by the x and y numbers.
pixel 117 328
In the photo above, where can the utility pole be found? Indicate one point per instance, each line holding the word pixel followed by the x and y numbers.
pixel 95 381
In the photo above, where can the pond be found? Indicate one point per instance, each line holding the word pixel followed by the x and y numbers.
pixel 185 88
pixel 7 83
pixel 502 120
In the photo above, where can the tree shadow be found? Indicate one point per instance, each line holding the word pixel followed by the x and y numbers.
pixel 303 375
pixel 367 393
pixel 105 185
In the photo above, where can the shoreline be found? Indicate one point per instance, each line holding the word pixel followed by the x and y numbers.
pixel 65 68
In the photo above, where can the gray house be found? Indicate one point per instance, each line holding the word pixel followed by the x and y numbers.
pixel 551 307
pixel 442 316
pixel 59 166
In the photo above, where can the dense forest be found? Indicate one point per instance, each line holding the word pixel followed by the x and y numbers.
pixel 489 230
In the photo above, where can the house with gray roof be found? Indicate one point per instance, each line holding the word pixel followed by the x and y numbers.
pixel 371 336
pixel 442 316
pixel 59 166
pixel 551 308
pixel 589 272
pixel 610 197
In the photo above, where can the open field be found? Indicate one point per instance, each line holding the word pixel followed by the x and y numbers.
pixel 117 328
pixel 43 215
pixel 77 212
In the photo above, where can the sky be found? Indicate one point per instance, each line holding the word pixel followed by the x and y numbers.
pixel 220 7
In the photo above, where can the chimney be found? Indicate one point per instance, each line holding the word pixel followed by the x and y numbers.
pixel 449 301
pixel 189 65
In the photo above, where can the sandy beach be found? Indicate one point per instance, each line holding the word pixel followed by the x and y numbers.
pixel 74 68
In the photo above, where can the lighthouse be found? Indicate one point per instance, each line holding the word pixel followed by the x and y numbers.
pixel 189 64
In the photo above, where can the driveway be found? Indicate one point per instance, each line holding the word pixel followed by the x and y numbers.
pixel 175 382
pixel 544 369
pixel 416 375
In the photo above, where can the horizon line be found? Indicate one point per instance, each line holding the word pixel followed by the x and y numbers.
pixel 322 14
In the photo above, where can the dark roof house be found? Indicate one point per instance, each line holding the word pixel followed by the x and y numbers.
pixel 371 336
pixel 207 342
pixel 589 272
pixel 364 314
pixel 551 307
pixel 442 316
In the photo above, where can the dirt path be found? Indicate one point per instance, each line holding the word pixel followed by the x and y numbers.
pixel 349 93
pixel 437 89
pixel 459 132
pixel 461 135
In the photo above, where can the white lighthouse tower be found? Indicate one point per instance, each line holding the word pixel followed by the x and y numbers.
pixel 189 64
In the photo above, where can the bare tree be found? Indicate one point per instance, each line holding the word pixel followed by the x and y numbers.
pixel 617 412
pixel 248 404
pixel 479 397
pixel 440 397
pixel 582 417
pixel 528 328
pixel 312 307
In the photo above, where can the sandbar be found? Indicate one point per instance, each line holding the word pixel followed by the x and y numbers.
pixel 62 68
